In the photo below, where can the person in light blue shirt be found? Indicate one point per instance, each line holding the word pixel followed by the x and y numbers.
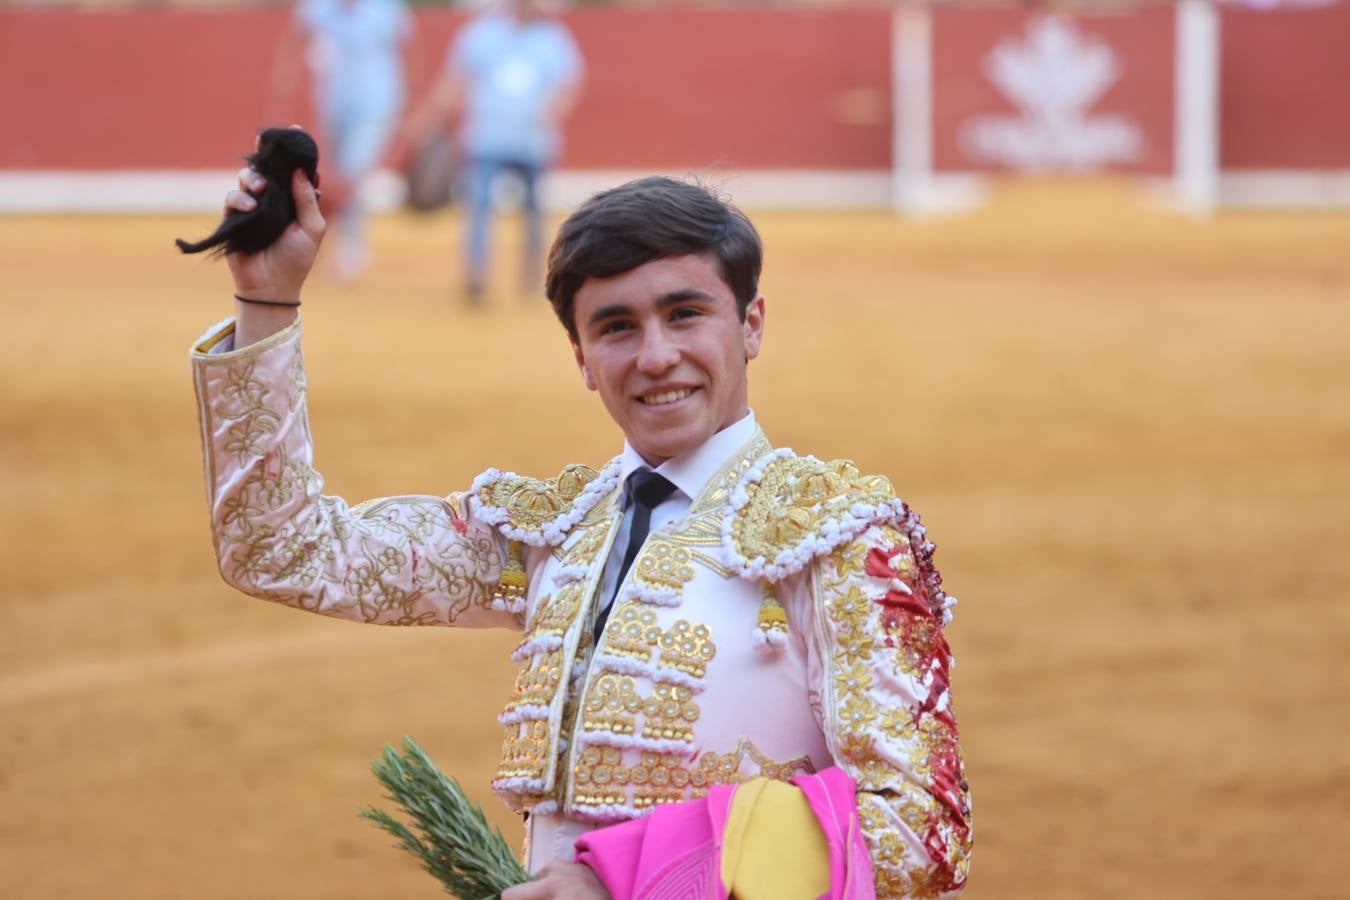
pixel 513 73
pixel 354 49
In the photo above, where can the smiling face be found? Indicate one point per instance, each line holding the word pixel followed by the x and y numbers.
pixel 666 350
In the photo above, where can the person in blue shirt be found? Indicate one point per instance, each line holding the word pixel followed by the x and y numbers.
pixel 354 49
pixel 513 74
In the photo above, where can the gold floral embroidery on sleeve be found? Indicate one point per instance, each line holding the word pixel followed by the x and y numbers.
pixel 890 720
pixel 396 561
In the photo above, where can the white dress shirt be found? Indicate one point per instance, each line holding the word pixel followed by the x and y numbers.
pixel 689 473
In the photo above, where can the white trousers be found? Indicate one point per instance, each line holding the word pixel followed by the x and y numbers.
pixel 551 837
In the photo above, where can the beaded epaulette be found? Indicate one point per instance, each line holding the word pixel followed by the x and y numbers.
pixel 540 512
pixel 789 509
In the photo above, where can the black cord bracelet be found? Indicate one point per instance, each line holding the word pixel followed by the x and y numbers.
pixel 267 302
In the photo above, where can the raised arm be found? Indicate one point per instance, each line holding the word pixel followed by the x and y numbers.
pixel 398 561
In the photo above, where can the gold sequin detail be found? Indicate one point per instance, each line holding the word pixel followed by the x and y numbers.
pixel 601 778
pixel 632 631
pixel 687 648
pixel 665 565
pixel 537 680
pixel 612 705
pixel 525 751
pixel 670 713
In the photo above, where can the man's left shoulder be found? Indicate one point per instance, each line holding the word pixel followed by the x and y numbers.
pixel 789 509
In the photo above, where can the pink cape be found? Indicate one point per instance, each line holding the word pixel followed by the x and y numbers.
pixel 676 851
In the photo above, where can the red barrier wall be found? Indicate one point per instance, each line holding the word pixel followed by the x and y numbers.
pixel 1285 101
pixel 684 87
pixel 148 90
pixel 680 87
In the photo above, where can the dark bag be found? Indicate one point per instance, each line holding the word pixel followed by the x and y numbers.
pixel 432 174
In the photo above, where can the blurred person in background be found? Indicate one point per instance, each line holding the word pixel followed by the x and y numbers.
pixel 354 51
pixel 512 75
pixel 733 664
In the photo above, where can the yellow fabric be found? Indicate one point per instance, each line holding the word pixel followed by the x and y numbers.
pixel 773 848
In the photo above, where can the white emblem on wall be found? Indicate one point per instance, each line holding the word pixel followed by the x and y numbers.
pixel 1054 75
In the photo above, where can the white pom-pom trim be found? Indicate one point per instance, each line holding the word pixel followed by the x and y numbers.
pixel 627 665
pixel 516 605
pixel 832 534
pixel 649 594
pixel 554 531
pixel 517 785
pixel 568 574
pixel 544 808
pixel 768 642
pixel 608 813
pixel 535 646
pixel 631 742
pixel 527 713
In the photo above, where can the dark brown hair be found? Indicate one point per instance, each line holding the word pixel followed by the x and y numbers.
pixel 651 218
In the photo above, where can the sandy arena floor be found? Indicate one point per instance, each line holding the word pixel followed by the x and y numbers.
pixel 1129 434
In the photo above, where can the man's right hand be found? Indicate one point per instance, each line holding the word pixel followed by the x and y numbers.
pixel 279 271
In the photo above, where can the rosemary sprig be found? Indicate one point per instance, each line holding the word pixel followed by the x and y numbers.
pixel 453 841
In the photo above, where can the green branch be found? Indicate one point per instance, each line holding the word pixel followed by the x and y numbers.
pixel 453 840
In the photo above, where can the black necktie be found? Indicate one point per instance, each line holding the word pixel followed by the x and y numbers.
pixel 650 490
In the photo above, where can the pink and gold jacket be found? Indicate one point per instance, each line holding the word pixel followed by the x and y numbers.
pixel 792 620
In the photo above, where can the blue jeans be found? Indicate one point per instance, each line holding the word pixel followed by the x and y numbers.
pixel 480 174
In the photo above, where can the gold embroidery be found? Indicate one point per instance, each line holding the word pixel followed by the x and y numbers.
pixel 717 495
pixel 728 765
pixel 670 713
pixel 554 615
pixel 796 495
pixel 819 485
pixel 541 679
pixel 716 565
pixel 702 526
pixel 537 680
pixel 573 479
pixel 850 559
pixel 525 751
pixel 704 531
pixel 588 546
pixel 612 705
pixel 531 502
pixel 632 631
pixel 663 564
pixel 384 561
pixel 612 702
pixel 687 648
pixel 872 736
pixel 601 778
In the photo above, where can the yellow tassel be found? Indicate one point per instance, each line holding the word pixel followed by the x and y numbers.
pixel 511 587
pixel 772 616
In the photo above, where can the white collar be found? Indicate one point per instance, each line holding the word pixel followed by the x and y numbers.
pixel 692 472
